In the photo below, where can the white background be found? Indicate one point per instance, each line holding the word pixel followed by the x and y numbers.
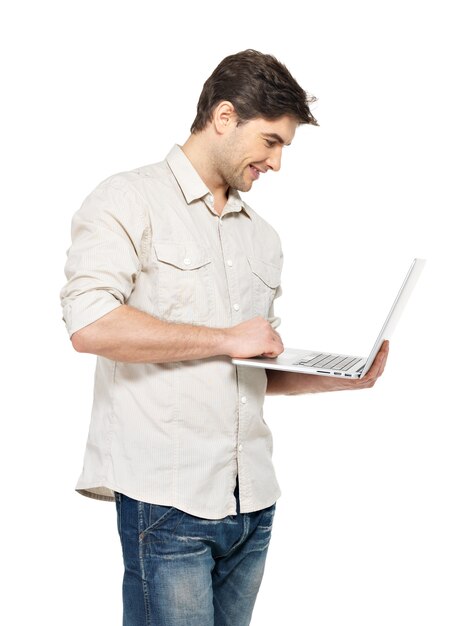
pixel 374 525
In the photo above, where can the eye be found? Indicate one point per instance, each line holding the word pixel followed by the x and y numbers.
pixel 270 144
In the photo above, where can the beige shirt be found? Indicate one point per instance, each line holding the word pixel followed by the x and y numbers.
pixel 178 433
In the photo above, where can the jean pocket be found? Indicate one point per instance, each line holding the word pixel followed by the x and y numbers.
pixel 267 519
pixel 152 517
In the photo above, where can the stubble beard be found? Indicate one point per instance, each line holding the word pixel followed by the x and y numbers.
pixel 236 180
pixel 231 174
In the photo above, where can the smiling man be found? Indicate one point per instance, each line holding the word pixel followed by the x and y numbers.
pixel 233 154
pixel 170 274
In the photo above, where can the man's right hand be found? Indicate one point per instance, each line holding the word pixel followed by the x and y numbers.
pixel 254 337
pixel 129 335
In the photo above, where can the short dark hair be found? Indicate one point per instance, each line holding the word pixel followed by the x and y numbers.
pixel 257 85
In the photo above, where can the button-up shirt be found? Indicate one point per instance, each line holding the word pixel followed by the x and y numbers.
pixel 177 433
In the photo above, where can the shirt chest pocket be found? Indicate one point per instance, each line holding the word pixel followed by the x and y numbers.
pixel 185 288
pixel 265 279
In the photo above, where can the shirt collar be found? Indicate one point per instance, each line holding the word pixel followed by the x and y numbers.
pixel 192 185
pixel 186 175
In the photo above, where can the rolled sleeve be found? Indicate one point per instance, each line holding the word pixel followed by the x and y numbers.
pixel 108 235
pixel 273 320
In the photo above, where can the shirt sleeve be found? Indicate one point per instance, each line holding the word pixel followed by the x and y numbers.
pixel 109 233
pixel 273 320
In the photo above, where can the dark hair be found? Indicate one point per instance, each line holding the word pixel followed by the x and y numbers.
pixel 257 85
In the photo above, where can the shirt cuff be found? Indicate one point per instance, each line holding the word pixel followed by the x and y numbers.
pixel 274 322
pixel 88 308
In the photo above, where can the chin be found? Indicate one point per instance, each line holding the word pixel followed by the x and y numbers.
pixel 245 185
pixel 242 186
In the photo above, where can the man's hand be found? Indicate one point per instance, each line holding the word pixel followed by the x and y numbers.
pixel 254 337
pixel 129 335
pixel 369 380
pixel 293 383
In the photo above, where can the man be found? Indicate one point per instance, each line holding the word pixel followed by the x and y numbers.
pixel 170 274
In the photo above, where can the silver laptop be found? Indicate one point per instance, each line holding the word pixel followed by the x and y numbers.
pixel 330 364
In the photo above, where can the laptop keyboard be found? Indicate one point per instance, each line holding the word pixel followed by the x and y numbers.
pixel 339 362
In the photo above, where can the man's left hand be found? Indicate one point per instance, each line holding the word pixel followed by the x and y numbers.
pixel 293 383
pixel 369 380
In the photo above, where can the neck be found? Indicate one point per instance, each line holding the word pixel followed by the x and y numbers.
pixel 198 150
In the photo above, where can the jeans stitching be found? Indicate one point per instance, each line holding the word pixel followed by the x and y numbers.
pixel 144 516
pixel 242 539
pixel 147 604
pixel 145 526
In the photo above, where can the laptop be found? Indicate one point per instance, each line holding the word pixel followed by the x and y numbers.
pixel 331 364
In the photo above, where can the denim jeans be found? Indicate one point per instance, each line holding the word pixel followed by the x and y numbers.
pixel 182 570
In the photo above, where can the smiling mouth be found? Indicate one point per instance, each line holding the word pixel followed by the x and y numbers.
pixel 254 171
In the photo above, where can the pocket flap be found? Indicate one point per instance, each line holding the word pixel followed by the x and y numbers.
pixel 268 273
pixel 185 256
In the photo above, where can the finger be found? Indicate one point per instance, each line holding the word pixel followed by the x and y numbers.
pixel 379 363
pixel 278 340
pixel 381 356
pixel 384 363
pixel 374 370
pixel 385 350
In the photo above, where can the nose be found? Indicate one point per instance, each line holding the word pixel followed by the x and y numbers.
pixel 274 161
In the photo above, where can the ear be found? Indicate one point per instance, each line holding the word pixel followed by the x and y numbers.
pixel 224 116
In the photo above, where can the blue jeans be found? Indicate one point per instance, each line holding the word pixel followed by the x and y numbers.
pixel 182 570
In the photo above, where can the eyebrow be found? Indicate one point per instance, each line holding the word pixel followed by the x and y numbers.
pixel 276 137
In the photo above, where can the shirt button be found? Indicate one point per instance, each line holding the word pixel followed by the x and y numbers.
pixel 236 307
pixel 230 262
pixel 240 447
pixel 187 261
pixel 244 399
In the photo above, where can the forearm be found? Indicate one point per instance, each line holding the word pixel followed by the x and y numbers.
pixel 292 383
pixel 129 335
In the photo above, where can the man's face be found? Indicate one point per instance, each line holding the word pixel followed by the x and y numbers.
pixel 252 149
